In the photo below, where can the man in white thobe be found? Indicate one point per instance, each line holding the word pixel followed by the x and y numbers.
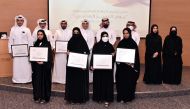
pixel 59 70
pixel 43 25
pixel 105 27
pixel 20 34
pixel 89 36
pixel 135 35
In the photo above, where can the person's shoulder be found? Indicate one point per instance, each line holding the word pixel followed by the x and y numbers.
pixel 12 28
pixel 27 29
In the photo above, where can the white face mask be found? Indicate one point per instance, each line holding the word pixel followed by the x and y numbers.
pixel 131 28
pixel 105 39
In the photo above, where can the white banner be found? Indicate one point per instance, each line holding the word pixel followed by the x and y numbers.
pixel 119 13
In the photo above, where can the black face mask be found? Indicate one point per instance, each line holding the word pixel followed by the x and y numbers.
pixel 173 33
pixel 77 35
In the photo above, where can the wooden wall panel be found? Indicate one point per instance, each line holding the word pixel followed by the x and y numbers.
pixel 176 12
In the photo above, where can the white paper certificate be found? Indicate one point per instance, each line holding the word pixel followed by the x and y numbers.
pixel 60 46
pixel 77 60
pixel 102 61
pixel 19 50
pixel 39 54
pixel 125 55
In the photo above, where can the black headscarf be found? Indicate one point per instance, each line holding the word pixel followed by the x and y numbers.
pixel 152 27
pixel 172 43
pixel 44 40
pixel 153 42
pixel 127 43
pixel 172 32
pixel 77 43
pixel 103 47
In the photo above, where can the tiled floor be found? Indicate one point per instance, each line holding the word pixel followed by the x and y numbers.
pixel 141 87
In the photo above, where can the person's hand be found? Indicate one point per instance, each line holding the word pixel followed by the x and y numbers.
pixel 53 50
pixel 91 68
pixel 67 53
pixel 175 53
pixel 155 54
pixel 132 65
pixel 40 62
pixel 11 55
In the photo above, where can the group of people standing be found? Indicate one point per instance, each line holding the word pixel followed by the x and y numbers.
pixel 170 72
pixel 84 41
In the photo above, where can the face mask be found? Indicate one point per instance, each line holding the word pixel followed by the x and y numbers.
pixel 131 28
pixel 105 39
pixel 173 33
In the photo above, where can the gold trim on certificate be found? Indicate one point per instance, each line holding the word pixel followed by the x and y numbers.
pixel 77 60
pixel 102 61
pixel 39 54
pixel 19 50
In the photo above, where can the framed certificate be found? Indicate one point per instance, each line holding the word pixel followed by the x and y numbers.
pixel 125 55
pixel 39 54
pixel 19 50
pixel 102 61
pixel 60 46
pixel 77 60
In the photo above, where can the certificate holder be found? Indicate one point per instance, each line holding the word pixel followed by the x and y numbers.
pixel 61 46
pixel 39 54
pixel 125 55
pixel 102 61
pixel 77 60
pixel 19 50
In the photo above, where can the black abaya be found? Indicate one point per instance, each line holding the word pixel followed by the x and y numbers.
pixel 172 59
pixel 77 79
pixel 41 76
pixel 153 66
pixel 126 75
pixel 102 78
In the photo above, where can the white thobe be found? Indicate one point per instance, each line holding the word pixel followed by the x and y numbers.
pixel 22 72
pixel 136 37
pixel 89 36
pixel 59 70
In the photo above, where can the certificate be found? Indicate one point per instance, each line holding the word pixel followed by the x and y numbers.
pixel 39 54
pixel 125 55
pixel 60 46
pixel 19 50
pixel 102 61
pixel 77 60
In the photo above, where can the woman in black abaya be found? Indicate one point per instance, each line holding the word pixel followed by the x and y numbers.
pixel 103 78
pixel 41 76
pixel 77 81
pixel 127 74
pixel 153 69
pixel 172 59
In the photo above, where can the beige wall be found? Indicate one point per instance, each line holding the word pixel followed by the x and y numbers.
pixel 164 13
